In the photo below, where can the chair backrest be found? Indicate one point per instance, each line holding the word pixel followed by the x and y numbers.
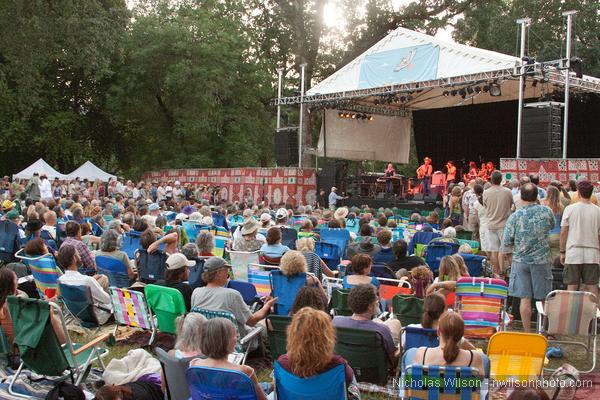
pixel 474 263
pixel 328 385
pixel 339 302
pixel 277 331
pixel 268 260
pixel 247 290
pixel 390 288
pixel 364 351
pixel 420 337
pixel 289 237
pixel 330 253
pixel 216 383
pixel 130 308
pixel 421 238
pixel 80 303
pixel 191 229
pixel 481 303
pixel 45 272
pixel 259 277
pixel 167 304
pixel 240 261
pixel 174 370
pixel 285 289
pixel 570 312
pixel 131 243
pixel 441 382
pixel 151 266
pixel 114 269
pixel 435 252
pixel 195 273
pixel 408 309
pixel 338 236
pixel 382 271
pixel 466 235
pixel 397 234
pixel 516 355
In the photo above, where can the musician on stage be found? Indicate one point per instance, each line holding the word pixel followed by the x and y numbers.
pixel 389 173
pixel 451 174
pixel 424 172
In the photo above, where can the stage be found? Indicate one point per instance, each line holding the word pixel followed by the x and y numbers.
pixel 391 202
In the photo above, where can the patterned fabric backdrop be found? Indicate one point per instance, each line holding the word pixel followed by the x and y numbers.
pixel 275 185
pixel 552 169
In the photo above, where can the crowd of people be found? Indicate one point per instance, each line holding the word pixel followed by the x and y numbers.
pixel 522 228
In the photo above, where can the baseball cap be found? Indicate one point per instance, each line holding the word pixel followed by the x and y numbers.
pixel 265 217
pixel 153 207
pixel 12 215
pixel 281 213
pixel 178 260
pixel 181 216
pixel 215 263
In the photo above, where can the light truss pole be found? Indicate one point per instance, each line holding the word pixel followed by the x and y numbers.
pixel 300 122
pixel 524 22
pixel 569 15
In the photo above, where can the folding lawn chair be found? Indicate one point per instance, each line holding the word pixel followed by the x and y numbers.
pixel 240 261
pixel 247 290
pixel 422 238
pixel 167 304
pixel 330 253
pixel 79 302
pixel 517 356
pixel 339 302
pixel 277 331
pixel 474 264
pixel 391 287
pixel 114 269
pixel 441 382
pixel 216 383
pixel 337 236
pixel 407 308
pixel 151 266
pixel 328 385
pixel 130 309
pixel 435 252
pixel 415 337
pixel 45 273
pixel 285 289
pixel 174 370
pixel 258 275
pixel 131 243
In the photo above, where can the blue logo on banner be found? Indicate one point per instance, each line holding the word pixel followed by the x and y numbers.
pixel 408 64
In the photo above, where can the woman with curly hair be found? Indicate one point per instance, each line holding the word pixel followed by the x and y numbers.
pixel 293 263
pixel 310 344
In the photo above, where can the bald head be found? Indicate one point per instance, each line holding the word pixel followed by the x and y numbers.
pixel 529 192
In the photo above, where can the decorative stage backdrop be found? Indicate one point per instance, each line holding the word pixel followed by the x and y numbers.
pixel 274 185
pixel 552 169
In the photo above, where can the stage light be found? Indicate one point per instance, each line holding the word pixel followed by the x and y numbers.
pixel 486 88
pixel 341 115
pixel 577 65
pixel 477 89
pixel 370 118
pixel 453 92
pixel 463 93
pixel 353 116
pixel 446 93
pixel 495 90
pixel 470 90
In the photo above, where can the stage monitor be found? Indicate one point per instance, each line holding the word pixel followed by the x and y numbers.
pixel 359 136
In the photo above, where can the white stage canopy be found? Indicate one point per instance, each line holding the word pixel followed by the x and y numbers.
pixel 91 172
pixel 42 168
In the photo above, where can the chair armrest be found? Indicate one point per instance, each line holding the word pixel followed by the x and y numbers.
pixel 540 308
pixel 253 332
pixel 92 343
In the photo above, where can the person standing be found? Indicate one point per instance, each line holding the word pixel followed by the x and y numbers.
pixel 424 172
pixel 333 198
pixel 527 232
pixel 33 187
pixel 451 174
pixel 579 241
pixel 498 202
pixel 389 173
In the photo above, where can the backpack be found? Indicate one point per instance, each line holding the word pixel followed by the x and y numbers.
pixel 9 240
pixel 567 380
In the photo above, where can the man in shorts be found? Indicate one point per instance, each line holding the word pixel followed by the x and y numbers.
pixel 579 242
pixel 498 202
pixel 527 232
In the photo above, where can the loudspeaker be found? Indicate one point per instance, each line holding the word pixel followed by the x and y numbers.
pixel 542 131
pixel 286 148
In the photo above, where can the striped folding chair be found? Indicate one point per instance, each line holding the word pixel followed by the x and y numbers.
pixel 516 355
pixel 441 382
pixel 45 273
pixel 130 309
pixel 222 237
pixel 240 261
pixel 481 303
pixel 571 313
pixel 258 275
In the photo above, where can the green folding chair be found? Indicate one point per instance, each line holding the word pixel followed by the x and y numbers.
pixel 407 308
pixel 277 330
pixel 167 304
pixel 364 351
pixel 40 349
pixel 339 302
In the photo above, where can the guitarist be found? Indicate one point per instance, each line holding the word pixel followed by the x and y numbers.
pixel 424 173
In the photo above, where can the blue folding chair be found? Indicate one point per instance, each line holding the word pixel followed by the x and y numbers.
pixel 80 303
pixel 419 337
pixel 151 266
pixel 285 289
pixel 382 271
pixel 247 290
pixel 329 385
pixel 220 220
pixel 435 252
pixel 195 273
pixel 219 384
pixel 192 228
pixel 474 263
pixel 352 225
pixel 114 269
pixel 330 253
pixel 289 237
pixel 397 234
pixel 421 238
pixel 170 215
pixel 338 236
pixel 131 243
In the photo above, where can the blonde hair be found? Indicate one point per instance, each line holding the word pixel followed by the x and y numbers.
pixel 310 342
pixel 449 269
pixel 293 263
pixel 305 244
pixel 462 266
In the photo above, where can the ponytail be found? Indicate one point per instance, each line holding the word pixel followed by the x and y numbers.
pixel 451 350
pixel 452 329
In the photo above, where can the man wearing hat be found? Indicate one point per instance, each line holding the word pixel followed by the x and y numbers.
pixel 249 241
pixel 7 205
pixel 340 213
pixel 176 275
pixel 333 198
pixel 281 217
pixel 215 296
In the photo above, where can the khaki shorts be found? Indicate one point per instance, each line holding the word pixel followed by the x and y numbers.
pixel 494 239
pixel 574 274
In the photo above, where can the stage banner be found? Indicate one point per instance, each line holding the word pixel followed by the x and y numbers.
pixel 408 64
pixel 273 186
pixel 550 169
pixel 385 138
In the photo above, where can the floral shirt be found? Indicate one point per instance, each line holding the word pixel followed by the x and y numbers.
pixel 527 230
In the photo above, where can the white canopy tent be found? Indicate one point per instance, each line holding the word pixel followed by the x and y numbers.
pixel 91 172
pixel 42 168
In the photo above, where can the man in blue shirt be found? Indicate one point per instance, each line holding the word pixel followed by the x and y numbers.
pixel 526 231
pixel 333 198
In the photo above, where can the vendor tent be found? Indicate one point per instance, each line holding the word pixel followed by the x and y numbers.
pixel 89 171
pixel 42 168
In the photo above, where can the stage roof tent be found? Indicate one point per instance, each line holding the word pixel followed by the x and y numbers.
pixel 424 67
pixel 41 167
pixel 91 172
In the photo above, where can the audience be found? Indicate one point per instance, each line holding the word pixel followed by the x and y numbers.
pixel 309 296
pixel 176 276
pixel 314 264
pixel 401 259
pixel 385 255
pixel 273 249
pixel 361 270
pixel 109 247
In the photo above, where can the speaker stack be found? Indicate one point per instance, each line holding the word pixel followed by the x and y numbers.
pixel 542 130
pixel 286 148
